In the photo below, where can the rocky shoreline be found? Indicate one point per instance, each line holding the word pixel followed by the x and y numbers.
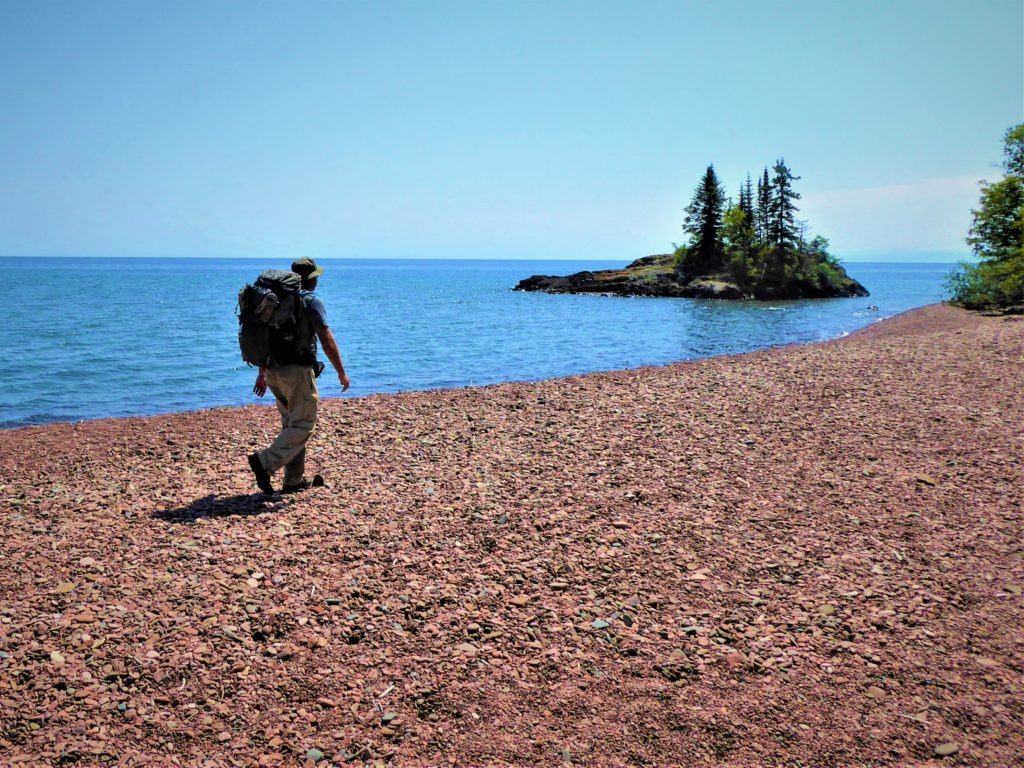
pixel 806 555
pixel 655 276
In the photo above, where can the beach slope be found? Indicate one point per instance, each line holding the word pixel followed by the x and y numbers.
pixel 809 555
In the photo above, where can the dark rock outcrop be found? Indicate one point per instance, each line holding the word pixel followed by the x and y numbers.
pixel 656 276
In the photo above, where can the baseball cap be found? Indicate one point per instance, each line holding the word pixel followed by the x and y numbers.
pixel 306 268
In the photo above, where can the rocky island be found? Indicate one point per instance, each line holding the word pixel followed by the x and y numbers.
pixel 657 276
pixel 752 249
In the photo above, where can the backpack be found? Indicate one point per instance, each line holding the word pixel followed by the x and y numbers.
pixel 268 318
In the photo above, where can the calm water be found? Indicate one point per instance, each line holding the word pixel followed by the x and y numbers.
pixel 88 338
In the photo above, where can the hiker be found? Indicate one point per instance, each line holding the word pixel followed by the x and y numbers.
pixel 292 379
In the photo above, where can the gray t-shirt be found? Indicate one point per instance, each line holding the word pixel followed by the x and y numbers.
pixel 317 310
pixel 314 319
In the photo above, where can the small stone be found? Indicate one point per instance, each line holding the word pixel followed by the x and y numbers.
pixel 874 692
pixel 925 480
pixel 559 585
pixel 599 624
pixel 315 755
pixel 520 601
pixel 223 736
pixel 473 629
pixel 620 524
pixel 827 610
pixel 947 749
pixel 387 718
pixel 734 659
pixel 1013 589
pixel 57 658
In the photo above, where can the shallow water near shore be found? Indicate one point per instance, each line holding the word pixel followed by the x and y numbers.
pixel 94 338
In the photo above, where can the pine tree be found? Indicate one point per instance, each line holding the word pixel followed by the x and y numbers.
pixel 764 205
pixel 704 223
pixel 746 203
pixel 782 226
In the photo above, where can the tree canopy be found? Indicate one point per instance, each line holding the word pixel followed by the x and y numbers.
pixel 756 242
pixel 996 281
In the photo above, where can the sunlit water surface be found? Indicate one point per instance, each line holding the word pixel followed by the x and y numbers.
pixel 90 338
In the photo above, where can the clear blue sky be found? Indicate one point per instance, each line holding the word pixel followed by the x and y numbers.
pixel 491 128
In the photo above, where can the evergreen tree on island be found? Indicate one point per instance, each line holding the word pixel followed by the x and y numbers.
pixel 757 243
pixel 704 223
pixel 782 207
pixel 764 201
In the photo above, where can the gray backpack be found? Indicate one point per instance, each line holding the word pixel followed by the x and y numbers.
pixel 268 314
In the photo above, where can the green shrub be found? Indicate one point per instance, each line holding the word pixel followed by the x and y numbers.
pixel 997 238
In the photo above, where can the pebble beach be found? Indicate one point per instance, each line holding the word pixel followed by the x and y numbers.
pixel 806 556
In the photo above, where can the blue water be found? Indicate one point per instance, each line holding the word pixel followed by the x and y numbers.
pixel 87 338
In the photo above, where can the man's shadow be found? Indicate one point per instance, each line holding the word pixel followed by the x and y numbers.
pixel 242 505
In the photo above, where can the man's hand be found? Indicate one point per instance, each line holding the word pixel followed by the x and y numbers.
pixel 343 380
pixel 260 387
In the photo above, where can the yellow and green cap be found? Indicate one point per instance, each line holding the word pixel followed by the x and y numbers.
pixel 306 268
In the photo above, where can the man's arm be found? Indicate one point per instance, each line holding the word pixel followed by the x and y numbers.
pixel 330 347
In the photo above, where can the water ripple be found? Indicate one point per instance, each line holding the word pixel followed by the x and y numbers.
pixel 166 339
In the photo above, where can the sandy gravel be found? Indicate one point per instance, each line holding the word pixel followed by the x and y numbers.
pixel 809 556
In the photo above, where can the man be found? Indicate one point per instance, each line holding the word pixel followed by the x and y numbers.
pixel 294 386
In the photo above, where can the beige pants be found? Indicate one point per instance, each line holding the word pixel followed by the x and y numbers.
pixel 294 387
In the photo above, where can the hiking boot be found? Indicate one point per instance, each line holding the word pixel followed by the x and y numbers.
pixel 303 484
pixel 262 478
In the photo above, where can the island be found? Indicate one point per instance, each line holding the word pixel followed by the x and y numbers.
pixel 754 248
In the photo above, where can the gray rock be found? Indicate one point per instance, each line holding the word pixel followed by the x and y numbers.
pixel 947 749
pixel 714 289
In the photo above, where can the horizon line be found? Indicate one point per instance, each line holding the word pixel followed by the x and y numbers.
pixel 901 257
